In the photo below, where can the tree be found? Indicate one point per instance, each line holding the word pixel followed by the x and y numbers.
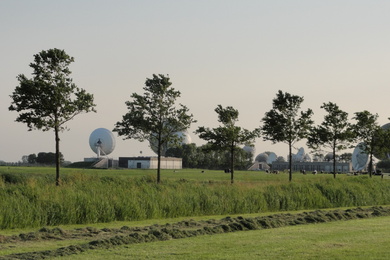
pixel 48 158
pixel 153 116
pixel 372 138
pixel 50 99
pixel 346 157
pixel 334 132
pixel 228 136
pixel 32 158
pixel 284 123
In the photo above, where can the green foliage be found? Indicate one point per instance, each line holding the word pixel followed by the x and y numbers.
pixel 153 116
pixel 384 165
pixel 228 136
pixel 335 132
pixel 203 157
pixel 373 138
pixel 50 99
pixel 285 122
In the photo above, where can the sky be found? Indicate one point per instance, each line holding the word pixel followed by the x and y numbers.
pixel 233 53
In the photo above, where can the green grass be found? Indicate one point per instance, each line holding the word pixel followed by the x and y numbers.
pixel 29 198
pixel 354 239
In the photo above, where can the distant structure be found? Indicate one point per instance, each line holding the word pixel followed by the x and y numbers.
pixel 102 142
pixel 262 157
pixel 185 139
pixel 301 156
pixel 249 149
pixel 147 162
pixel 359 158
pixel 301 161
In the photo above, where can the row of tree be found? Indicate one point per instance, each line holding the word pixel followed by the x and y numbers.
pixel 285 122
pixel 203 157
pixel 50 99
pixel 42 158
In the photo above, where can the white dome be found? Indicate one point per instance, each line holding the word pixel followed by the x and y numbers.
pixel 271 158
pixel 103 139
pixel 249 149
pixel 185 139
pixel 262 157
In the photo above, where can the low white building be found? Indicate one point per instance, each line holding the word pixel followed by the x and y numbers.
pixel 150 162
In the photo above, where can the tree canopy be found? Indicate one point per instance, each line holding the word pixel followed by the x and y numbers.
pixel 334 132
pixel 227 136
pixel 286 123
pixel 154 116
pixel 373 138
pixel 50 99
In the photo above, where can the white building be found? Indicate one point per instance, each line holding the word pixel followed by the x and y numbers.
pixel 150 162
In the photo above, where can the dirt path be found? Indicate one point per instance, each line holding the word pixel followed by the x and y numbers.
pixel 80 240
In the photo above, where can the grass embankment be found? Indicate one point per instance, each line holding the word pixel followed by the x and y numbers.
pixel 30 199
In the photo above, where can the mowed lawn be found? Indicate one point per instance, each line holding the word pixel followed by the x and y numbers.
pixel 353 239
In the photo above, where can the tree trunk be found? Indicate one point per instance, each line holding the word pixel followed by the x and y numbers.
pixel 334 161
pixel 56 130
pixel 232 165
pixel 159 159
pixel 290 162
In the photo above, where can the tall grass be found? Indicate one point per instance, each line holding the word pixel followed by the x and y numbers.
pixel 33 200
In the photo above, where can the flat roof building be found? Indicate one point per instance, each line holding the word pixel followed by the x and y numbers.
pixel 313 166
pixel 141 162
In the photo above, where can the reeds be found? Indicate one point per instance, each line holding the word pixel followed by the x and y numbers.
pixel 27 201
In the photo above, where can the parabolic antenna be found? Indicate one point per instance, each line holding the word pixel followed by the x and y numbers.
pixel 271 158
pixel 263 157
pixel 249 149
pixel 102 141
pixel 359 158
pixel 184 137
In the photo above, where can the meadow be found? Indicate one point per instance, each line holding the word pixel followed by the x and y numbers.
pixel 29 197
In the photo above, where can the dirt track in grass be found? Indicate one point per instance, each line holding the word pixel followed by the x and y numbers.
pixel 108 238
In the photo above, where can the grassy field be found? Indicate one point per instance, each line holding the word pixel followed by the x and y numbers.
pixel 355 239
pixel 29 200
pixel 29 197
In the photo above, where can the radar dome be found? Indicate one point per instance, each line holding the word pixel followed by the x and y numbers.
pixel 271 158
pixel 249 149
pixel 102 141
pixel 262 157
pixel 185 138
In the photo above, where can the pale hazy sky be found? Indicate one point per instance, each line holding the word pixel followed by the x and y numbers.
pixel 233 53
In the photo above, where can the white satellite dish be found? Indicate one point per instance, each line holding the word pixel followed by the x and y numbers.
pixel 263 157
pixel 249 149
pixel 183 135
pixel 102 141
pixel 271 158
pixel 359 158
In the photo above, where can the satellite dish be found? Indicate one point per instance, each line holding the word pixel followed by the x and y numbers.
pixel 102 141
pixel 183 135
pixel 359 158
pixel 249 149
pixel 263 157
pixel 271 158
